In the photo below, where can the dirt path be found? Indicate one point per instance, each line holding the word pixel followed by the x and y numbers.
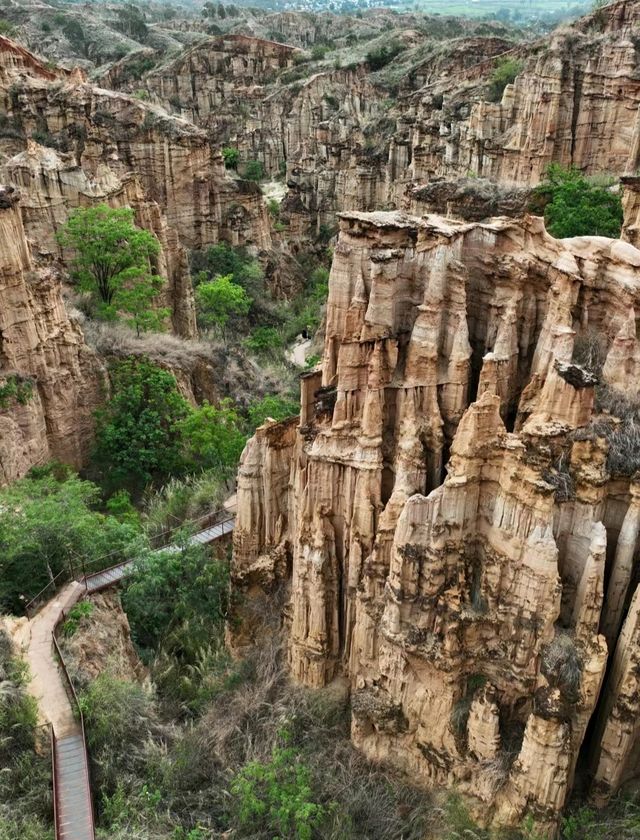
pixel 299 351
pixel 47 685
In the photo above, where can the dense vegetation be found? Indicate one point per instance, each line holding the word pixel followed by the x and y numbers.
pixel 51 523
pixel 575 205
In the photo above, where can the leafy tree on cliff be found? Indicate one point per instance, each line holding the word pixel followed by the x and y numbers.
pixel 214 438
pixel 113 261
pixel 575 206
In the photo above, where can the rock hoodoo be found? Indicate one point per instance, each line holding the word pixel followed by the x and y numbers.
pixel 456 531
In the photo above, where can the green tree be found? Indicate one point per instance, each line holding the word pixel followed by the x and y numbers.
pixel 131 21
pixel 575 207
pixel 214 438
pixel 264 340
pixel 219 299
pixel 169 589
pixel 504 74
pixel 139 432
pixel 138 302
pixel 113 262
pixel 231 157
pixel 253 170
pixel 49 524
pixel 277 408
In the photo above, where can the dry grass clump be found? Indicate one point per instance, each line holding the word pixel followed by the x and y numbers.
pixel 560 478
pixel 562 664
pixel 183 500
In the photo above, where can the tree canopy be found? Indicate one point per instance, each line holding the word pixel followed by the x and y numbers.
pixel 112 261
pixel 219 299
pixel 139 437
pixel 50 523
pixel 575 206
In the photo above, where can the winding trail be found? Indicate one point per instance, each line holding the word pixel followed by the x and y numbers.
pixel 51 687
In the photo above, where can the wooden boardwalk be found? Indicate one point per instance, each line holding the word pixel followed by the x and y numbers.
pixel 53 689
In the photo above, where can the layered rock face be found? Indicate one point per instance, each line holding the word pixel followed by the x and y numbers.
pixel 354 140
pixel 62 381
pixel 51 185
pixel 574 102
pixel 112 135
pixel 456 538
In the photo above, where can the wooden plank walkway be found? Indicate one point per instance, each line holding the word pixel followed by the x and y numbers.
pixel 72 789
pixel 74 814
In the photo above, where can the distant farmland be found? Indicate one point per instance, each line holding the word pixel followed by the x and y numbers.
pixel 478 8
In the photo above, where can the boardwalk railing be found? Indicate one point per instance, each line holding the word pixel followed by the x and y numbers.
pixel 72 799
pixel 69 755
pixel 81 570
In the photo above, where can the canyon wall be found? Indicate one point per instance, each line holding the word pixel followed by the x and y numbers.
pixel 112 135
pixel 42 352
pixel 456 530
pixel 352 139
pixel 66 144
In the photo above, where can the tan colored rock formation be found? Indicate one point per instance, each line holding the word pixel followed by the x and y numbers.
pixel 463 603
pixel 176 166
pixel 51 185
pixel 102 643
pixel 41 346
pixel 631 208
pixel 350 142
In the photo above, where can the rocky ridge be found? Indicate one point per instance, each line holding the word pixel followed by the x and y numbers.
pixel 457 538
pixel 65 144
pixel 353 138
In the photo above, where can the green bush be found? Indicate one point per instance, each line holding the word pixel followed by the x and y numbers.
pixel 272 406
pixel 15 388
pixel 575 207
pixel 231 157
pixel 276 796
pixel 219 300
pixel 503 74
pixel 253 170
pixel 264 340
pixel 381 56
pixel 213 438
pixel 83 609
pixel 177 604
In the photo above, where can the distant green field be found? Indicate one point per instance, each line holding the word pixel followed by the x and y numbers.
pixel 478 8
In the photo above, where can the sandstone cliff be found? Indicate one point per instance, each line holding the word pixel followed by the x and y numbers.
pixel 353 139
pixel 40 347
pixel 457 537
pixel 114 136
